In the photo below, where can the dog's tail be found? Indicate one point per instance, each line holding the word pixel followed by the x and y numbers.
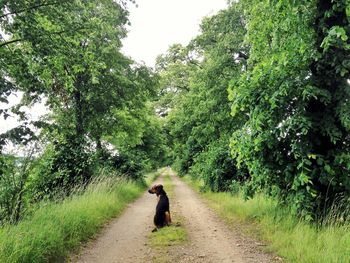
pixel 167 218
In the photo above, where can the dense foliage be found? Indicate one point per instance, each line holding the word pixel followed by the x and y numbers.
pixel 200 124
pixel 286 67
pixel 259 100
pixel 67 55
pixel 296 91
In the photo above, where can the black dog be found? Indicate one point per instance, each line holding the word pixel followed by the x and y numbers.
pixel 162 217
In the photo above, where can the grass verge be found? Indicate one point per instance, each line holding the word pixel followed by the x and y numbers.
pixel 57 229
pixel 289 237
pixel 168 236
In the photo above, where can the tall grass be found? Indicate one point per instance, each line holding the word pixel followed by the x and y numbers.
pixel 57 229
pixel 293 239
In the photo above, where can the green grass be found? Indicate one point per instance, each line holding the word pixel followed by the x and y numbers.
pixel 168 186
pixel 168 236
pixel 57 229
pixel 291 238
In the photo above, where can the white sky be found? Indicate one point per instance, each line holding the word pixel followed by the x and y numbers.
pixel 157 24
pixel 33 112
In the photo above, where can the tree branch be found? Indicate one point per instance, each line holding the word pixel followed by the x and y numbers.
pixel 23 39
pixel 11 41
pixel 29 8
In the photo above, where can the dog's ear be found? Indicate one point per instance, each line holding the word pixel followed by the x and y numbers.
pixel 160 187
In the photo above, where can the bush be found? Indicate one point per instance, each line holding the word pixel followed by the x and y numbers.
pixel 131 164
pixel 12 188
pixel 62 167
pixel 217 169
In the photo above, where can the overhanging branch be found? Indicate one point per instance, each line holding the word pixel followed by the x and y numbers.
pixel 29 8
pixel 23 39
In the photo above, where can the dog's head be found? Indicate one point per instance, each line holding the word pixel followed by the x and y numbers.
pixel 156 189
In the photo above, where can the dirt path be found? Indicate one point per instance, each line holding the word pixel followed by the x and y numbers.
pixel 126 238
pixel 210 239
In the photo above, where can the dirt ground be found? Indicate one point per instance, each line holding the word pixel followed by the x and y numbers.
pixel 125 239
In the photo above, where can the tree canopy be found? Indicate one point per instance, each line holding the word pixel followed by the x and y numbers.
pixel 271 81
pixel 257 102
pixel 67 54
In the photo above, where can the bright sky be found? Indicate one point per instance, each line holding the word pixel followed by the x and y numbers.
pixel 157 24
pixel 33 113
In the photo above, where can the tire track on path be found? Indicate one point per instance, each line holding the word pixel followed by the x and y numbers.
pixel 210 239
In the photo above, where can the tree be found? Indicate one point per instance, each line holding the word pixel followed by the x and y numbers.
pixel 69 53
pixel 175 69
pixel 295 142
pixel 200 123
